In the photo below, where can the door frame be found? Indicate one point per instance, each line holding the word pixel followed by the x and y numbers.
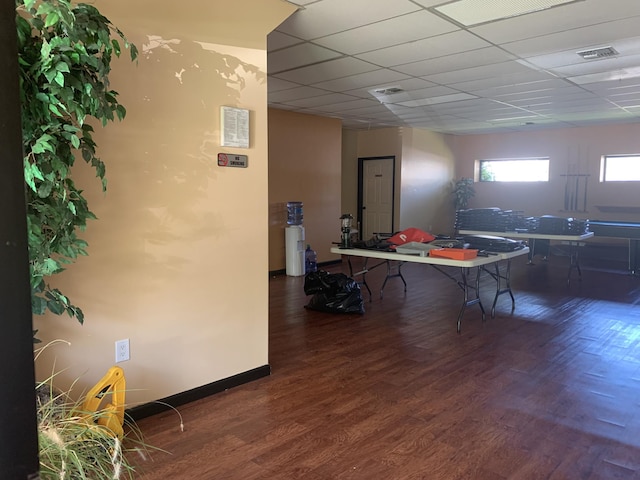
pixel 361 161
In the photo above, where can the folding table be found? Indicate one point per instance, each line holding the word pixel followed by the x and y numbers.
pixel 470 291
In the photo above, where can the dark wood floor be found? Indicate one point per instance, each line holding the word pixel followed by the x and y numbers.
pixel 550 391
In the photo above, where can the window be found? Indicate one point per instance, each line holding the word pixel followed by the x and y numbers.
pixel 515 170
pixel 620 168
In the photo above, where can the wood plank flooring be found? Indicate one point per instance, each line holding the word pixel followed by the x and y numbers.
pixel 549 391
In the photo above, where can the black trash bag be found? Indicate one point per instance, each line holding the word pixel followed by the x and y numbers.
pixel 333 293
pixel 315 282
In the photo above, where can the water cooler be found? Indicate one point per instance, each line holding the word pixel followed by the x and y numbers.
pixel 294 240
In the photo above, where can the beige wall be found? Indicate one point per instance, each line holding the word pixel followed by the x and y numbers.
pixel 382 142
pixel 577 149
pixel 427 171
pixel 349 172
pixel 181 244
pixel 305 166
pixel 424 170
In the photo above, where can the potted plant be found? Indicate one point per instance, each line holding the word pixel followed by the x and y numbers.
pixel 64 54
pixel 462 192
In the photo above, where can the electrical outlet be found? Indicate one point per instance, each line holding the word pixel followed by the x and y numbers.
pixel 122 350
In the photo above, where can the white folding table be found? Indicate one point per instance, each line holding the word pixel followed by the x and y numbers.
pixel 471 291
pixel 573 241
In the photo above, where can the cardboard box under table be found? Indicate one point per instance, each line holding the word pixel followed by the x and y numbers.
pixel 470 289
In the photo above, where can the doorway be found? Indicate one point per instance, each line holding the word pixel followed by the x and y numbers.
pixel 376 182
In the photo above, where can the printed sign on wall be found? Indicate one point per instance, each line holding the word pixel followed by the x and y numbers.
pixel 229 160
pixel 234 127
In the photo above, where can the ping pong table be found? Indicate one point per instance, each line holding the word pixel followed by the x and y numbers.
pixel 615 229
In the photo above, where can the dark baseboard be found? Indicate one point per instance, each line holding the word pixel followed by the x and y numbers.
pixel 153 408
pixel 274 273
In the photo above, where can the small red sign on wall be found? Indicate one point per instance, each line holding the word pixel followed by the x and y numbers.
pixel 228 160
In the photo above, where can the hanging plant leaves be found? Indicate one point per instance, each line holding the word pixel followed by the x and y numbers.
pixel 65 54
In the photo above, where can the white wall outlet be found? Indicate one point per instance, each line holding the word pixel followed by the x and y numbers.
pixel 122 350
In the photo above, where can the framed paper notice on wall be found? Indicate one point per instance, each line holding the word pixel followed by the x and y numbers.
pixel 234 127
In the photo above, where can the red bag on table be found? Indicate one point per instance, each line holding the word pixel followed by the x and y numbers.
pixel 411 235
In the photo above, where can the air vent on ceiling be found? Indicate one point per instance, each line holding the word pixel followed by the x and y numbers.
pixel 388 90
pixel 602 52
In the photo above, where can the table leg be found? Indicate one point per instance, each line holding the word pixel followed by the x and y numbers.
pixel 634 250
pixel 467 302
pixel 574 261
pixel 392 275
pixel 507 287
pixel 362 272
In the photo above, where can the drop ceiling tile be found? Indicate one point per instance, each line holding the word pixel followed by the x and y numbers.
pixel 478 73
pixel 346 105
pixel 395 31
pixel 514 98
pixel 497 81
pixel 515 119
pixel 387 116
pixel 519 90
pixel 454 97
pixel 599 66
pixel 538 105
pixel 295 94
pixel 415 114
pixel 409 84
pixel 562 91
pixel 628 49
pixel 458 61
pixel 535 105
pixel 375 78
pixel 576 106
pixel 608 88
pixel 576 39
pixel 320 100
pixel 614 76
pixel 399 110
pixel 277 84
pixel 466 106
pixel 329 70
pixel 277 40
pixel 623 97
pixel 594 116
pixel 433 47
pixel 298 56
pixel 319 19
pixel 411 95
pixel 374 109
pixel 367 124
pixel 284 106
pixel 493 113
pixel 563 18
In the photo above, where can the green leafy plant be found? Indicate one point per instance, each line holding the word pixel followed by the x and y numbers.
pixel 463 191
pixel 64 54
pixel 72 445
pixel 69 448
pixel 72 448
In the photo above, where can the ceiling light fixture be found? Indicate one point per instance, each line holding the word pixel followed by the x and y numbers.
pixel 474 12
